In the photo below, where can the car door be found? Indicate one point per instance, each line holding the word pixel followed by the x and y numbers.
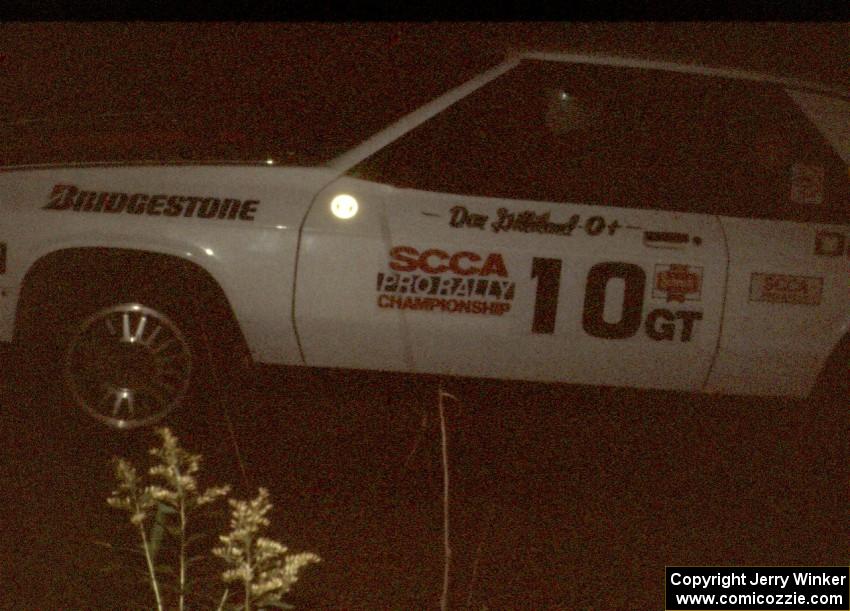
pixel 554 291
pixel 514 236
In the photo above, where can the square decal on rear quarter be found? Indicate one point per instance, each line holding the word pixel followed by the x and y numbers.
pixel 779 288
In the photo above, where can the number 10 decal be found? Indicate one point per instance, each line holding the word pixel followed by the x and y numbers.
pixel 548 275
pixel 594 300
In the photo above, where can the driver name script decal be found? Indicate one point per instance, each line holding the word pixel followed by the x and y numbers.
pixel 529 221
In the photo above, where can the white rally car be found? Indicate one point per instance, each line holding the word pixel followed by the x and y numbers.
pixel 559 217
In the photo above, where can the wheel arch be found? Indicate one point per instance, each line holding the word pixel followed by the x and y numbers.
pixel 56 271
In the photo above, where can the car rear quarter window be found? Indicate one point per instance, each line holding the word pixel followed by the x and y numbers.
pixel 628 137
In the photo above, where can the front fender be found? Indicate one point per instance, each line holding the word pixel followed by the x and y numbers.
pixel 251 259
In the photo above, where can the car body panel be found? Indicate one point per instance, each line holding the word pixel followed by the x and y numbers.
pixel 473 312
pixel 442 283
pixel 775 342
pixel 243 256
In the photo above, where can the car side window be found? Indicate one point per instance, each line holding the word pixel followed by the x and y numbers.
pixel 782 166
pixel 639 138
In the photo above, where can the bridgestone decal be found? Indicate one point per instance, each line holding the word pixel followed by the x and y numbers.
pixel 72 198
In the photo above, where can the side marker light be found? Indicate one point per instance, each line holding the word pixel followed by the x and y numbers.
pixel 344 206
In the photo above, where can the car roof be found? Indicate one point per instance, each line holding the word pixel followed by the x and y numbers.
pixel 677 66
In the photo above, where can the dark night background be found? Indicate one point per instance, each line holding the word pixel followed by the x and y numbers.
pixel 563 497
pixel 352 77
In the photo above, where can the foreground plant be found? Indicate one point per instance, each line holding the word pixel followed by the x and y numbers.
pixel 131 497
pixel 263 566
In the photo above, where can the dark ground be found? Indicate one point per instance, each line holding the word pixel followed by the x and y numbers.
pixel 561 497
pixel 349 79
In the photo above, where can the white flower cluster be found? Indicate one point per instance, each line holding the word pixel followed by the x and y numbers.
pixel 263 566
pixel 128 495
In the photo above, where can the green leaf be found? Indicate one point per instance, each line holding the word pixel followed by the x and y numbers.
pixel 159 523
pixel 118 548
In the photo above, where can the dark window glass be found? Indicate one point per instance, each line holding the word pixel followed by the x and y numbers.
pixel 625 137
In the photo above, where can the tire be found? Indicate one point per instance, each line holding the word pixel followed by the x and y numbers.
pixel 119 347
pixel 833 384
pixel 128 365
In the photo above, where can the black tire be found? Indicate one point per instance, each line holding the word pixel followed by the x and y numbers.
pixel 116 342
pixel 833 384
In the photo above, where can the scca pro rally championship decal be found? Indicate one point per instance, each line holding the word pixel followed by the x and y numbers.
pixel 69 197
pixel 434 280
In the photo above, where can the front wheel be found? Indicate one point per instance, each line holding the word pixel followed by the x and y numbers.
pixel 128 365
pixel 123 348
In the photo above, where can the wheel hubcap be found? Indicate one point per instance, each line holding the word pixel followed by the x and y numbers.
pixel 128 365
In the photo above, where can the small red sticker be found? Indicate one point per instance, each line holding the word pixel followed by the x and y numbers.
pixel 807 184
pixel 829 243
pixel 677 282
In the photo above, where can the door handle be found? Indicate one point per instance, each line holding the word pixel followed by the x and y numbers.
pixel 665 239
